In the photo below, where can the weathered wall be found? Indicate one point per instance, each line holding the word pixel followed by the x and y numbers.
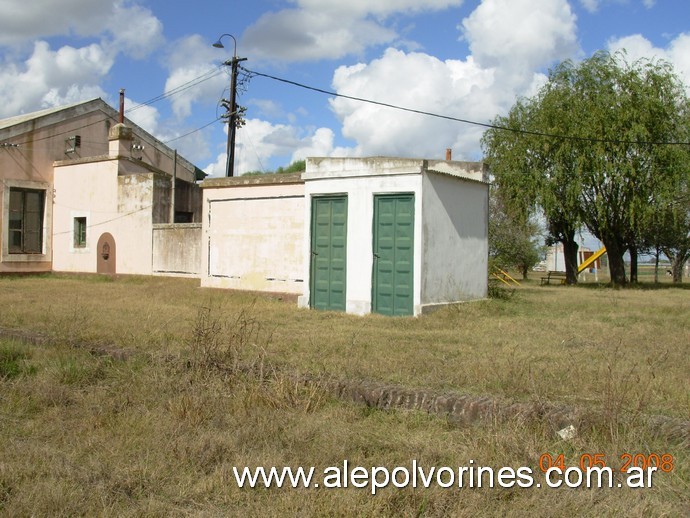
pixel 252 233
pixel 360 179
pixel 29 165
pixel 177 249
pixel 83 191
pixel 450 229
pixel 33 143
pixel 454 239
pixel 120 205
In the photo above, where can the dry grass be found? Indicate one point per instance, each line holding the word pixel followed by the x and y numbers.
pixel 159 434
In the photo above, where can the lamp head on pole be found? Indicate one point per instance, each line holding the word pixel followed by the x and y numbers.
pixel 219 44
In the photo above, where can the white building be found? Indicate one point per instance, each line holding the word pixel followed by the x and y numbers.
pixel 392 236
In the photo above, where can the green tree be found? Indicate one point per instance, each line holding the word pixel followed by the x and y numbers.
pixel 535 173
pixel 514 240
pixel 670 227
pixel 592 147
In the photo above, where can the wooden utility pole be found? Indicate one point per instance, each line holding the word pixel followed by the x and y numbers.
pixel 232 115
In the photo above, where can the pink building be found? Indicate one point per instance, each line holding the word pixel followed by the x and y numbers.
pixel 82 192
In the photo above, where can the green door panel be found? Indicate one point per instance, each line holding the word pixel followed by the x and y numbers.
pixel 392 290
pixel 328 252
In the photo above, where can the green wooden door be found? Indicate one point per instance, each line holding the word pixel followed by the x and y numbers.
pixel 328 252
pixel 392 290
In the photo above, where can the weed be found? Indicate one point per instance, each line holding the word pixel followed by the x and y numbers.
pixel 13 360
pixel 498 290
pixel 81 372
pixel 228 344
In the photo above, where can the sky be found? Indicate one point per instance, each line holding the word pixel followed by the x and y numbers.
pixel 466 59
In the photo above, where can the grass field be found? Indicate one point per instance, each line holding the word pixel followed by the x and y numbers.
pixel 158 434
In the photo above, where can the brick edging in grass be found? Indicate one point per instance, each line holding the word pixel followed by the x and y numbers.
pixel 467 409
pixel 458 408
pixel 40 339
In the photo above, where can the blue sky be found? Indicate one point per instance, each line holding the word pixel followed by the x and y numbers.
pixel 469 59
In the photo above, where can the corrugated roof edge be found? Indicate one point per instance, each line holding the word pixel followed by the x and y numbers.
pixel 472 171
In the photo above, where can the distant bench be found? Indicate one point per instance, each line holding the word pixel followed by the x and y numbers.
pixel 553 275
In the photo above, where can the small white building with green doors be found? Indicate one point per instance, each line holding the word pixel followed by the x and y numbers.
pixel 394 236
pixel 361 235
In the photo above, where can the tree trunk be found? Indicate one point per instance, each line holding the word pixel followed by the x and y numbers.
pixel 677 267
pixel 656 266
pixel 616 263
pixel 633 264
pixel 570 248
pixel 677 262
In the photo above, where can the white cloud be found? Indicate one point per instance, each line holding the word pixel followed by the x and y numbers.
pixel 135 30
pixel 510 40
pixel 260 140
pixel 363 8
pixel 521 34
pixel 131 28
pixel 677 52
pixel 49 78
pixel 260 143
pixel 218 168
pixel 24 21
pixel 299 35
pixel 591 6
pixel 452 88
pixel 144 116
pixel 330 29
pixel 191 59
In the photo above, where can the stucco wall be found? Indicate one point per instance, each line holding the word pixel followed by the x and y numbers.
pixel 454 239
pixel 120 205
pixel 361 179
pixel 177 249
pixel 450 229
pixel 252 235
pixel 30 165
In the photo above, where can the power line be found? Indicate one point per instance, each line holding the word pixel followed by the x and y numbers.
pixel 193 131
pixel 185 86
pixel 464 121
pixel 179 89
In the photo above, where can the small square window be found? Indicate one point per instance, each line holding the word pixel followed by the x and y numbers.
pixel 79 232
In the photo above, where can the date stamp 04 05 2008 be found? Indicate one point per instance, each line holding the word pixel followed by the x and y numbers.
pixel 663 462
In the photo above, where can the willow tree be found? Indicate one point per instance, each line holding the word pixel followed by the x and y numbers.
pixel 535 173
pixel 597 144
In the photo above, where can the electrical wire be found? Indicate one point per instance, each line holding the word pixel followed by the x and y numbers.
pixel 185 86
pixel 179 89
pixel 457 119
pixel 193 131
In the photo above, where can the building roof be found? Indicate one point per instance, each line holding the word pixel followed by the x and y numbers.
pixel 27 117
pixel 42 118
pixel 343 167
pixel 245 180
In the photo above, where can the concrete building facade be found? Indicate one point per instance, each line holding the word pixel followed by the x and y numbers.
pixel 392 236
pixel 73 175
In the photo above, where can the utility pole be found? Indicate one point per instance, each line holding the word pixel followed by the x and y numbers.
pixel 234 120
pixel 233 115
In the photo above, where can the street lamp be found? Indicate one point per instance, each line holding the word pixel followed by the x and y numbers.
pixel 231 105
